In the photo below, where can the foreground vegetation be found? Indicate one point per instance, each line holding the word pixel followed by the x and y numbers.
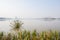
pixel 18 34
pixel 26 35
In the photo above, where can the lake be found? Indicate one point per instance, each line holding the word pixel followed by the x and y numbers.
pixel 39 25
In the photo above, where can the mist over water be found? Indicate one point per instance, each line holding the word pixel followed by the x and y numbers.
pixel 39 25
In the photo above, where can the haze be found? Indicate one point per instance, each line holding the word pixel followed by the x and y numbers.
pixel 30 8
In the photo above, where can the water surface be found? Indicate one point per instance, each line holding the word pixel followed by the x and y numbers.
pixel 39 25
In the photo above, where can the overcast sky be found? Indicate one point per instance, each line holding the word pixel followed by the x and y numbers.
pixel 30 8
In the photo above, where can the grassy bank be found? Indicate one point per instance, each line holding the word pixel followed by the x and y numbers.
pixel 27 35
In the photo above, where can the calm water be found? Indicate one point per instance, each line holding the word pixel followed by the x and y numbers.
pixel 39 25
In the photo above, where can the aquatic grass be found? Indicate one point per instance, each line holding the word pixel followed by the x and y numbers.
pixel 27 35
pixel 16 25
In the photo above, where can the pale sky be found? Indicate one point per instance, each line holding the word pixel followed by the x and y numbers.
pixel 29 8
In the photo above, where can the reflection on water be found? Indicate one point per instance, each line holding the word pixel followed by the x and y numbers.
pixel 39 25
